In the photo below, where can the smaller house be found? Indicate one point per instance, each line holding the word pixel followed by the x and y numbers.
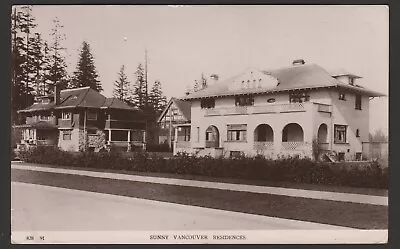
pixel 82 119
pixel 177 112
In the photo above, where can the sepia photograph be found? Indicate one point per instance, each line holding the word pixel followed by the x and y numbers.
pixel 199 124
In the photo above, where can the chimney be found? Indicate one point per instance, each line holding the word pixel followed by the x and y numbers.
pixel 214 77
pixel 57 93
pixel 298 62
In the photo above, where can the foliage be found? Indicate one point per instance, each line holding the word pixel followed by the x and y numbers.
pixel 86 73
pixel 157 100
pixel 139 95
pixel 122 86
pixel 294 169
pixel 378 136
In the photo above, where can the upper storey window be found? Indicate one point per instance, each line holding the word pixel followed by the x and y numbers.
pixel 358 102
pixel 342 96
pixel 244 100
pixel 207 103
pixel 66 115
pixel 299 97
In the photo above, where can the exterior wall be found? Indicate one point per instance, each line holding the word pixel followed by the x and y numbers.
pixel 324 108
pixel 69 145
pixel 344 113
pixel 276 120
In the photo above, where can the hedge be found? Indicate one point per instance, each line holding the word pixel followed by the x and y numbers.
pixel 251 168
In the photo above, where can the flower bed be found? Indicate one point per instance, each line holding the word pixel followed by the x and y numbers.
pixel 255 168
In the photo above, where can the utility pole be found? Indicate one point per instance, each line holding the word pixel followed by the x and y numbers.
pixel 146 82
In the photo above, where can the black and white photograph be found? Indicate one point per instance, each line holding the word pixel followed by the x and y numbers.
pixel 199 124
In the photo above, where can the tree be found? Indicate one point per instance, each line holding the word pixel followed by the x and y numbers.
pixel 378 136
pixel 138 94
pixel 38 64
pixel 121 89
pixel 56 71
pixel 86 74
pixel 157 100
pixel 21 26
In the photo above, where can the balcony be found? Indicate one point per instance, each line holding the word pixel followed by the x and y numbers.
pixel 35 119
pixel 243 110
pixel 323 107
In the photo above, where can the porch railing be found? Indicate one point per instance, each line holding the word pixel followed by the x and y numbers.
pixel 240 110
pixel 263 145
pixel 293 145
pixel 183 144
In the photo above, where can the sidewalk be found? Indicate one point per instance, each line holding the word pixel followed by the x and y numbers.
pixel 311 194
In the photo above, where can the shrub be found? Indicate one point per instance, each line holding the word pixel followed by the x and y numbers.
pixel 294 169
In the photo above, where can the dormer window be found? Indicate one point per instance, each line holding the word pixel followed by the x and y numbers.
pixel 299 97
pixel 207 103
pixel 351 80
pixel 244 100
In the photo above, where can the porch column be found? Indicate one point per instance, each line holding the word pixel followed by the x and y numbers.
pixel 129 141
pixel 109 137
pixel 144 140
pixel 175 140
pixel 277 140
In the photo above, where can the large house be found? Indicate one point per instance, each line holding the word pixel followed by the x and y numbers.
pixel 177 112
pixel 279 112
pixel 82 119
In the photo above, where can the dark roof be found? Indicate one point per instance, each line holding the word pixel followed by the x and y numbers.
pixel 183 106
pixel 81 97
pixel 290 78
pixel 117 104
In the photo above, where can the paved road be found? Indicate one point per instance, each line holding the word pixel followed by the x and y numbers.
pixel 45 208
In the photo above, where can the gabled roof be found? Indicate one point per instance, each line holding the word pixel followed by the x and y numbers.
pixel 183 106
pixel 291 78
pixel 114 103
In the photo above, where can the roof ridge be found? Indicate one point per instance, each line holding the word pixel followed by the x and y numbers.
pixel 74 89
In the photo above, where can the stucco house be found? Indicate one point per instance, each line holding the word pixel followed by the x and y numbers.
pixel 82 119
pixel 177 112
pixel 280 113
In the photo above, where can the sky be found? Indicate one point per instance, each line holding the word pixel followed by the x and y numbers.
pixel 184 42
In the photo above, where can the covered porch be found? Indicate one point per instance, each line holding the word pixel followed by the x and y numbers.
pixel 126 139
pixel 39 134
pixel 182 138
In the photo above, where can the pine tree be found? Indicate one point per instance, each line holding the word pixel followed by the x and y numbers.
pixel 38 64
pixel 55 55
pixel 86 74
pixel 157 101
pixel 22 25
pixel 121 89
pixel 138 94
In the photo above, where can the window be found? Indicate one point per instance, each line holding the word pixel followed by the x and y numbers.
pixel 299 97
pixel 340 134
pixel 66 135
pixel 207 103
pixel 162 125
pixel 357 133
pixel 186 134
pixel 235 154
pixel 358 102
pixel 91 115
pixel 341 156
pixel 342 96
pixel 237 133
pixel 351 80
pixel 358 156
pixel 43 117
pixel 271 100
pixel 66 115
pixel 198 134
pixel 244 100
